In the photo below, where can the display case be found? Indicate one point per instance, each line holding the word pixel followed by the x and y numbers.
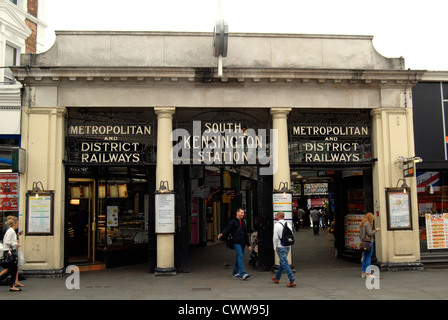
pixel 123 214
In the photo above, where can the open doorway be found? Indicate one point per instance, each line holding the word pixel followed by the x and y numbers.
pixel 342 197
pixel 81 221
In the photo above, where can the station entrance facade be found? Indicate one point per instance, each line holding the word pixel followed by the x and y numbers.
pixel 331 122
pixel 330 160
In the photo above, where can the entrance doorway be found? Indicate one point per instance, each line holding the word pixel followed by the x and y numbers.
pixel 81 226
pixel 341 196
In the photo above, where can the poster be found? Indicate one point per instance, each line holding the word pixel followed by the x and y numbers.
pixel 165 213
pixel 9 192
pixel 399 210
pixel 39 215
pixel 351 226
pixel 437 230
pixel 112 216
pixel 282 201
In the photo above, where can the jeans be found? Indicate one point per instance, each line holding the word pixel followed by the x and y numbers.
pixel 366 261
pixel 284 264
pixel 239 261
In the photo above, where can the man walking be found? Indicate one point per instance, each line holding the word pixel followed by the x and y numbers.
pixel 238 228
pixel 282 251
pixel 315 216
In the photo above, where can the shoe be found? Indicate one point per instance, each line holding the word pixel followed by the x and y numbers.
pixel 275 279
pixel 237 275
pixel 291 284
pixel 14 290
pixel 245 276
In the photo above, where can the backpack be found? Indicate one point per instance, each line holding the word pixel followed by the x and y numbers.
pixel 287 238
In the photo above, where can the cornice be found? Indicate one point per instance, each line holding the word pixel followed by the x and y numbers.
pixel 262 76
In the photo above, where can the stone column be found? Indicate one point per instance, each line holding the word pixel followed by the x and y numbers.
pixel 44 140
pixel 281 155
pixel 164 172
pixel 392 137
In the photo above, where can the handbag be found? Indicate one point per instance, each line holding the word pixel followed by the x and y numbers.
pixel 9 257
pixel 365 245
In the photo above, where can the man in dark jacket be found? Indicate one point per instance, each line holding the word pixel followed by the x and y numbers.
pixel 238 228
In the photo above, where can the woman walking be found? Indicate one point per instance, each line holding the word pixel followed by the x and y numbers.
pixel 10 247
pixel 367 233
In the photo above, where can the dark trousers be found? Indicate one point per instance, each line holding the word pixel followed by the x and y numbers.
pixel 316 227
pixel 12 270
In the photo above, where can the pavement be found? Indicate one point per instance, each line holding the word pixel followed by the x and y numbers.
pixel 319 275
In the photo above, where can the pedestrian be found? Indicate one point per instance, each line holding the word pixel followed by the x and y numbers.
pixel 301 216
pixel 238 228
pixel 282 251
pixel 306 219
pixel 367 233
pixel 315 217
pixel 10 245
pixel 296 219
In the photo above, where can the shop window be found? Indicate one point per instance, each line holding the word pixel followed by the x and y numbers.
pixel 432 194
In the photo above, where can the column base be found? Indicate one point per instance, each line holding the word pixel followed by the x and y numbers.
pixel 165 272
pixel 403 266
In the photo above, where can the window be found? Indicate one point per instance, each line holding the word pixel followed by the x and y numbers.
pixel 10 60
pixel 14 1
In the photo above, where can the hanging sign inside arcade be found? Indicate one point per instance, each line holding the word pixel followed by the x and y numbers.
pixel 330 144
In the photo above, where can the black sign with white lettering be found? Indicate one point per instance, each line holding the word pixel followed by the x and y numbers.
pixel 110 138
pixel 330 139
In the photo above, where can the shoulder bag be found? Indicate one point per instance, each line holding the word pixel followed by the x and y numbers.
pixel 9 257
pixel 366 245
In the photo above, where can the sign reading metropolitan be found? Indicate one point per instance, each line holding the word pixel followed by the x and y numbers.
pixel 109 144
pixel 316 143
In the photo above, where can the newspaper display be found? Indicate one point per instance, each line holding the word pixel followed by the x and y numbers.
pixel 351 224
pixel 437 230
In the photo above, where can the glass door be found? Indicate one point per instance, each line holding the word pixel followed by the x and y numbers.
pixel 82 222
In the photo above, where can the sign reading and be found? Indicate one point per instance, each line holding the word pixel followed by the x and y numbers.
pixel 331 139
pixel 94 142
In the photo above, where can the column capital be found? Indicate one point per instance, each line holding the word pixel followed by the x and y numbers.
pixel 164 111
pixel 280 112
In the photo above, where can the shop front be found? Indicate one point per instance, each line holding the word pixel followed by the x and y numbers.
pixel 109 163
pixel 430 104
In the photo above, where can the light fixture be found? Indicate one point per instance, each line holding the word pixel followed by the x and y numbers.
pixel 404 186
pixel 283 187
pixel 431 188
pixel 163 187
pixel 36 188
pixel 75 202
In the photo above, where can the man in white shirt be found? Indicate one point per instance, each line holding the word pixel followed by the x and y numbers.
pixel 282 251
